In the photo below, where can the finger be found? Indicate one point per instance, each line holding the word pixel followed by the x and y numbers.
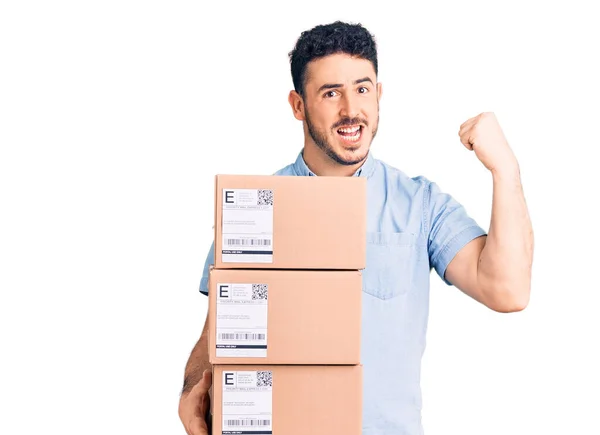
pixel 467 140
pixel 205 405
pixel 469 121
pixel 467 126
pixel 202 386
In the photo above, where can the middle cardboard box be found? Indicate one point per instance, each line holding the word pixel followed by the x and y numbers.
pixel 267 316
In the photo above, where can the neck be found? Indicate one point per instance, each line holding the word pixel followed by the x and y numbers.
pixel 322 165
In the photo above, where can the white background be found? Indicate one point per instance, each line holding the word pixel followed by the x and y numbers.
pixel 116 115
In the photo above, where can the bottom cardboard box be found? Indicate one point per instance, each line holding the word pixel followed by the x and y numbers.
pixel 287 400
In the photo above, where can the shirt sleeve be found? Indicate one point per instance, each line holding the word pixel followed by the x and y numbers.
pixel 450 228
pixel 210 259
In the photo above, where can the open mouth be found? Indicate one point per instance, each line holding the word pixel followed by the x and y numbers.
pixel 350 134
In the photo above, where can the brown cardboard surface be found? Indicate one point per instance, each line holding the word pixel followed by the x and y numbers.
pixel 318 222
pixel 316 400
pixel 313 316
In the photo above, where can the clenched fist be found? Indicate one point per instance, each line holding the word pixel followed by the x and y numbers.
pixel 483 135
pixel 194 406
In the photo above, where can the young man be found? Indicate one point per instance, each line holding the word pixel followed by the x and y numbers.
pixel 412 227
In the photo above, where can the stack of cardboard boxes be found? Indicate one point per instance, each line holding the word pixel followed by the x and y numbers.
pixel 285 305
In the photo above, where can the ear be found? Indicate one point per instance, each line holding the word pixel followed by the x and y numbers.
pixel 379 91
pixel 297 104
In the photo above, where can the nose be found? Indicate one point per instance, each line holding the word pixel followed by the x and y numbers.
pixel 350 106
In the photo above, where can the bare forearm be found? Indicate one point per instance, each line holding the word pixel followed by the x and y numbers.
pixel 504 271
pixel 197 362
pixel 196 396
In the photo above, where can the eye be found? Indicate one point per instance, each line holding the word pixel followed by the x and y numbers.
pixel 330 94
pixel 363 90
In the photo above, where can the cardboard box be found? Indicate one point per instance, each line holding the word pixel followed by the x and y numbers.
pixel 291 400
pixel 264 316
pixel 289 222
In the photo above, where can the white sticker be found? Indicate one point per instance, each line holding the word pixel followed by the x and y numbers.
pixel 247 226
pixel 247 402
pixel 241 324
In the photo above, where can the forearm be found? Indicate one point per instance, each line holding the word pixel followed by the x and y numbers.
pixel 504 270
pixel 197 362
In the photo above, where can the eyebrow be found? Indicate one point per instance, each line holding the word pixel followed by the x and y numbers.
pixel 338 85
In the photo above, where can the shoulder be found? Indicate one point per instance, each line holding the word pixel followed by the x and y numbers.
pixel 399 180
pixel 286 170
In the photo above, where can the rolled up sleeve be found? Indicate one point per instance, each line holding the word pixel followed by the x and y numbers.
pixel 450 228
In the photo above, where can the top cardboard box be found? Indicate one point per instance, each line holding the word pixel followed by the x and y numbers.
pixel 289 222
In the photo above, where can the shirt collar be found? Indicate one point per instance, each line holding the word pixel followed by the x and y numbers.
pixel 365 170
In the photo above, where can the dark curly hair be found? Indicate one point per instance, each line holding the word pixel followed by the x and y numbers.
pixel 326 39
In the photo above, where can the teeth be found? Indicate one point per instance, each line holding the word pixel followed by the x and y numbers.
pixel 352 138
pixel 349 130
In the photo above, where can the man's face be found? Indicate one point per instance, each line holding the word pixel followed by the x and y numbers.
pixel 342 106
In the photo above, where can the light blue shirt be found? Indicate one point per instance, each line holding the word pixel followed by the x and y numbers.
pixel 412 227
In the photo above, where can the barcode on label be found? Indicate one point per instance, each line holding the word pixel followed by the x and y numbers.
pixel 248 422
pixel 248 336
pixel 248 242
